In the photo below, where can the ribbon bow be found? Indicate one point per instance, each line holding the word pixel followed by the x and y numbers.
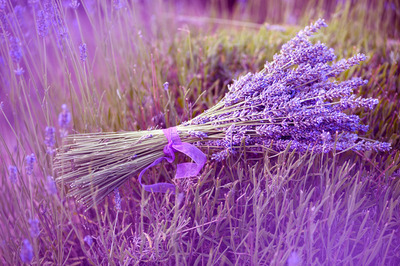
pixel 183 169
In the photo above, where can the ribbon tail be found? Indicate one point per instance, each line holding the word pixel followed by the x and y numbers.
pixel 159 187
pixel 190 169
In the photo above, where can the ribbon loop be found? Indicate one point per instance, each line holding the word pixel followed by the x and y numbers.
pixel 182 170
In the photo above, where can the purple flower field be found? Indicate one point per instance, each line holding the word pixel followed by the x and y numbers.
pixel 292 105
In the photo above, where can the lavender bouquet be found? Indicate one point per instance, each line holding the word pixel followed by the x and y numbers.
pixel 294 103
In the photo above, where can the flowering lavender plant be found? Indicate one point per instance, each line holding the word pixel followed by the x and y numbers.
pixel 35 231
pixel 30 160
pixel 50 139
pixel 83 52
pixel 64 119
pixel 88 239
pixel 13 173
pixel 295 102
pixel 26 253
pixel 51 186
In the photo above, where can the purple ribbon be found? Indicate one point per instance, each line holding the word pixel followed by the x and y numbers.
pixel 183 169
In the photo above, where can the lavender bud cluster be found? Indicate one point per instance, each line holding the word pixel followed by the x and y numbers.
pixel 74 4
pixel 64 119
pixel 19 71
pixel 118 4
pixel 117 198
pixel 26 253
pixel 197 134
pixel 59 26
pixel 88 239
pixel 51 186
pixel 165 86
pixel 294 101
pixel 30 160
pixel 13 172
pixel 42 24
pixel 50 18
pixel 83 52
pixel 144 137
pixel 15 49
pixel 34 223
pixel 50 139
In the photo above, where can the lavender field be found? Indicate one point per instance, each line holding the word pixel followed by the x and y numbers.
pixel 293 106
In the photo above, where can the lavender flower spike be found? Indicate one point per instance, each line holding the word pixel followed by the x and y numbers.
pixel 42 24
pixel 345 64
pixel 51 185
pixel 117 198
pixel 83 52
pixel 118 4
pixel 26 254
pixel 64 118
pixel 30 160
pixel 19 71
pixel 13 172
pixel 74 4
pixel 88 239
pixel 15 49
pixel 34 223
pixel 165 86
pixel 50 139
pixel 294 259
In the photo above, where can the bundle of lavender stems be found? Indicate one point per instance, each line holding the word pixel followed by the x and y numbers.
pixel 294 103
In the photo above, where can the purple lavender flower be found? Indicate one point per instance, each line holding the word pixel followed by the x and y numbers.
pixel 144 137
pixel 83 52
pixel 297 50
pixel 292 102
pixel 55 16
pixel 117 198
pixel 34 223
pixel 294 259
pixel 220 156
pixel 19 14
pixel 197 134
pixel 165 86
pixel 30 160
pixel 26 251
pixel 64 118
pixel 89 240
pixel 51 186
pixel 325 136
pixel 15 49
pixel 50 139
pixel 13 172
pixel 19 71
pixel 74 4
pixel 118 4
pixel 42 23
pixel 345 64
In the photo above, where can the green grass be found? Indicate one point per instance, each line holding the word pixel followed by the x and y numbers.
pixel 330 209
